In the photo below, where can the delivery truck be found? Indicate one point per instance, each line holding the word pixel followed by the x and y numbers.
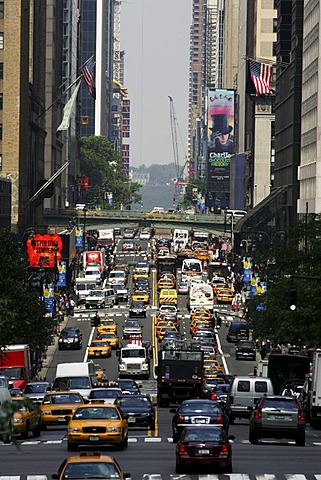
pixel 15 364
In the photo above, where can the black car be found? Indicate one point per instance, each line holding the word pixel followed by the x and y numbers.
pixel 137 309
pixel 70 339
pixel 128 386
pixel 139 409
pixel 245 349
pixel 204 447
pixel 142 283
pixel 198 412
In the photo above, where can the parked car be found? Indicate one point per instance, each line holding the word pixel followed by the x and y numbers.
pixel 276 416
pixel 198 412
pixel 204 446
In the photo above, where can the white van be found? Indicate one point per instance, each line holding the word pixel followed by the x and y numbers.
pixel 92 273
pixel 82 288
pixel 77 376
pixel 200 296
pixel 244 393
pixel 192 269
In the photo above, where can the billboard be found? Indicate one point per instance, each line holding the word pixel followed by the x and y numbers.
pixel 41 250
pixel 220 143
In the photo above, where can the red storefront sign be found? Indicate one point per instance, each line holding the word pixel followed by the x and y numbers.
pixel 41 250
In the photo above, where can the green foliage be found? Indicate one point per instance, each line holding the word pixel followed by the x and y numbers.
pixel 188 200
pixel 21 319
pixel 102 165
pixel 301 255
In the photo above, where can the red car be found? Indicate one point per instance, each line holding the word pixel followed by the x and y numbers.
pixel 207 446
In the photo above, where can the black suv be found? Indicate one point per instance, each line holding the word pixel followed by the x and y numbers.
pixel 70 339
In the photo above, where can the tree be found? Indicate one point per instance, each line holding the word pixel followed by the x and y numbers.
pixel 22 315
pixel 102 165
pixel 285 268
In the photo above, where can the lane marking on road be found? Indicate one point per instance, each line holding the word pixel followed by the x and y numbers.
pixel 92 333
pixel 266 476
pixel 152 439
pixel 132 440
pixel 219 347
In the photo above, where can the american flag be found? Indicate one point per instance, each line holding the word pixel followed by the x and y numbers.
pixel 88 73
pixel 261 76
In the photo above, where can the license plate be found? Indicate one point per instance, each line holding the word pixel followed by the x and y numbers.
pixel 277 417
pixel 61 419
pixel 200 420
pixel 245 354
pixel 97 354
pixel 203 451
pixel 94 438
pixel 131 419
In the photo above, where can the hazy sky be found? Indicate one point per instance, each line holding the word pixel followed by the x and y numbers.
pixel 155 37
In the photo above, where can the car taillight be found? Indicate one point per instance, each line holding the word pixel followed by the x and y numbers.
pixel 213 396
pixel 182 449
pixel 220 419
pixel 231 399
pixel 301 416
pixel 180 419
pixel 224 449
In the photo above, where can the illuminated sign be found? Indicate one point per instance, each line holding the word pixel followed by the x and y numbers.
pixel 41 250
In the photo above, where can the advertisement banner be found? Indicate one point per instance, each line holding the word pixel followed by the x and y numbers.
pixel 41 250
pixel 48 296
pixel 220 140
pixel 79 237
pixel 61 279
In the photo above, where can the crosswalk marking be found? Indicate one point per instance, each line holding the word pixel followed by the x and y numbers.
pixel 160 476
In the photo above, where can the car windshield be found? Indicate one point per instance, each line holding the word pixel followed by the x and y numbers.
pixel 90 470
pixel 68 334
pixel 202 435
pixel 98 344
pixel 123 383
pixel 62 398
pixel 15 373
pixel 119 287
pixel 106 413
pixel 133 353
pixel 73 383
pixel 96 293
pixel 36 388
pixel 132 324
pixel 106 393
pixel 133 402
pixel 280 404
pixel 199 407
pixel 116 275
pixel 20 405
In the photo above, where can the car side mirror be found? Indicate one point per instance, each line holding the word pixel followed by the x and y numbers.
pixel 127 475
pixel 172 410
pixel 67 418
pixel 231 437
pixel 54 476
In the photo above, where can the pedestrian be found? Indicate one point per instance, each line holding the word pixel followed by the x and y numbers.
pixel 71 306
pixel 288 392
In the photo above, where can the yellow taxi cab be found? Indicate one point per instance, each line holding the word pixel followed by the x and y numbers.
pixel 139 274
pixel 212 364
pixel 201 313
pixel 56 405
pixel 140 296
pixel 97 424
pixel 199 325
pixel 202 254
pixel 218 286
pixel 168 296
pixel 89 465
pixel 211 373
pixel 111 338
pixel 99 348
pixel 163 323
pixel 122 265
pixel 166 283
pixel 26 417
pixel 107 325
pixel 225 295
pixel 163 330
pixel 99 371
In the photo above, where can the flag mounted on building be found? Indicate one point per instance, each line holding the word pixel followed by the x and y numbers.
pixel 68 108
pixel 259 78
pixel 88 73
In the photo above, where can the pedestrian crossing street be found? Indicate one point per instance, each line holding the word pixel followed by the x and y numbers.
pixel 159 476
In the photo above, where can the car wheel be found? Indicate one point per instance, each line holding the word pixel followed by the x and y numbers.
pixel 231 419
pixel 71 447
pixel 24 435
pixel 253 438
pixel 300 439
pixel 36 431
pixel 87 307
pixel 43 426
pixel 175 437
pixel 152 425
pixel 228 468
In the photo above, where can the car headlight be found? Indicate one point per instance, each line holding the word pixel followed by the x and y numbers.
pixel 45 412
pixel 114 430
pixel 18 420
pixel 145 414
pixel 74 430
pixel 145 366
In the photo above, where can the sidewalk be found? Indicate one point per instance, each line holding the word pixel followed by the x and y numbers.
pixel 51 350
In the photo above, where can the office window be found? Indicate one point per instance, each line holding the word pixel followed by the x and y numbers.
pixel 1 40
pixel 1 71
pixel 1 10
pixel 1 101
pixel 0 132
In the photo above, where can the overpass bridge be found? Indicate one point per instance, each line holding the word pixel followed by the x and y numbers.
pixel 125 218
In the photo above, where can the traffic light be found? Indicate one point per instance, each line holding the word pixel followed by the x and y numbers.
pixel 292 299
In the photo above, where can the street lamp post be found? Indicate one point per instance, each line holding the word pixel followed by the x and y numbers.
pixel 85 220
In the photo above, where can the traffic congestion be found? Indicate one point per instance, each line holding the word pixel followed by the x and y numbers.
pixel 156 374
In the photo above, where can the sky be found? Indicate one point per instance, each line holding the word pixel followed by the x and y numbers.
pixel 155 37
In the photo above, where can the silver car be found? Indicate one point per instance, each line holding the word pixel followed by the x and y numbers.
pixel 36 391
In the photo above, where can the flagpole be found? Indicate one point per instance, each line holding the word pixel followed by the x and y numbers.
pixel 59 97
